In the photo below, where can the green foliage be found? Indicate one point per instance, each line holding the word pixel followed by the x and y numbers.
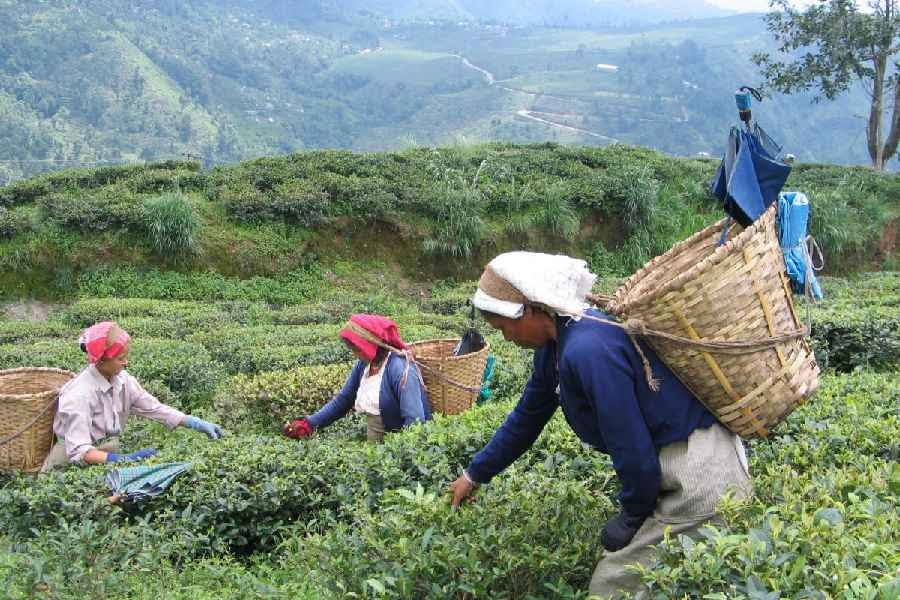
pixel 13 223
pixel 630 191
pixel 173 226
pixel 272 398
pixel 458 225
pixel 335 516
pixel 822 521
pixel 555 213
pixel 851 46
pixel 857 325
pixel 302 202
pixel 288 288
pixel 104 208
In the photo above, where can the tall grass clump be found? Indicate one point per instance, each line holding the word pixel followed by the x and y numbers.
pixel 173 226
pixel 555 213
pixel 458 226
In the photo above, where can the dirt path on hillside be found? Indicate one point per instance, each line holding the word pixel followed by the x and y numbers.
pixel 544 118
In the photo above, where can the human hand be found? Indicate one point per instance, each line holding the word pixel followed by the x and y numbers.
pixel 211 430
pixel 141 454
pixel 298 428
pixel 462 488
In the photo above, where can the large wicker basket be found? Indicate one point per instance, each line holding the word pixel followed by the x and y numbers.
pixel 737 291
pixel 453 383
pixel 28 398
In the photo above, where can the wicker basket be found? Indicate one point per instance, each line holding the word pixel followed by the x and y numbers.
pixel 27 407
pixel 738 291
pixel 442 370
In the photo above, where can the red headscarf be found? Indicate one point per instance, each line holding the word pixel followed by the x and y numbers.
pixel 104 340
pixel 380 327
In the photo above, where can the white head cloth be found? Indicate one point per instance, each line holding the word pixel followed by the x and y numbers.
pixel 558 282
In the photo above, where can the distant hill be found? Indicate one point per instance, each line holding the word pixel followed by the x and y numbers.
pixel 96 82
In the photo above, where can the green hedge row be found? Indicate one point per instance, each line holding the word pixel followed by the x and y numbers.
pixel 353 519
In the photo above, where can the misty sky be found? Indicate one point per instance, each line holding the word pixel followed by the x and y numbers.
pixel 751 5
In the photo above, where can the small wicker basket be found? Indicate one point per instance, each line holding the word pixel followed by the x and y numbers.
pixel 737 291
pixel 28 401
pixel 446 376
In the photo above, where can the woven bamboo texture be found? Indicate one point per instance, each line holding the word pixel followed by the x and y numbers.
pixel 445 375
pixel 28 402
pixel 737 291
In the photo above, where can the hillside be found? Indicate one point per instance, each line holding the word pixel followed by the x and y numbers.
pixel 91 83
pixel 418 215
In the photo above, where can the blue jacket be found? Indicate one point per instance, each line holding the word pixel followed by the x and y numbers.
pixel 606 401
pixel 400 406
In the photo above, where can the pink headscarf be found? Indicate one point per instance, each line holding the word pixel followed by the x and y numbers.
pixel 104 340
pixel 381 327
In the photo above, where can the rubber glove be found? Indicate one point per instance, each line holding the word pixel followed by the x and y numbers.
pixel 211 430
pixel 298 428
pixel 618 531
pixel 141 454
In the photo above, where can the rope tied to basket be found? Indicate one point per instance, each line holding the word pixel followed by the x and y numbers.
pixel 410 359
pixel 638 327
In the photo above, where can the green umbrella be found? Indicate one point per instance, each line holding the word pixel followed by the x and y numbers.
pixel 136 484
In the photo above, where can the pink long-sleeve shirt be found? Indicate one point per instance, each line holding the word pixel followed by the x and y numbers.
pixel 92 408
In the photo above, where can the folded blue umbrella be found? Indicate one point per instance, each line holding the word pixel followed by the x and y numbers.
pixel 136 484
pixel 750 176
pixel 793 220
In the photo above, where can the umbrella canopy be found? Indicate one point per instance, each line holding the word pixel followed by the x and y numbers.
pixel 136 484
pixel 750 176
pixel 793 219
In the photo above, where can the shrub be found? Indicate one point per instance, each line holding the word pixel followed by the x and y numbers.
pixel 173 226
pixel 13 223
pixel 23 192
pixel 32 331
pixel 186 317
pixel 302 202
pixel 101 209
pixel 631 192
pixel 273 398
pixel 858 323
pixel 287 288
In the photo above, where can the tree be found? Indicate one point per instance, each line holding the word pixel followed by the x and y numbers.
pixel 832 44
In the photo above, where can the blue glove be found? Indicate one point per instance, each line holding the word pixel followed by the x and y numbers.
pixel 212 430
pixel 141 454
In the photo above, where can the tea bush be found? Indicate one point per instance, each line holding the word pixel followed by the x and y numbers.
pixel 275 397
pixel 858 322
pixel 289 288
pixel 302 202
pixel 13 222
pixel 373 520
pixel 823 521
pixel 97 210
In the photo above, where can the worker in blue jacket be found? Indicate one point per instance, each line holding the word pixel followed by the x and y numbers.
pixel 674 460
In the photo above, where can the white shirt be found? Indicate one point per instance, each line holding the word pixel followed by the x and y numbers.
pixel 92 408
pixel 368 393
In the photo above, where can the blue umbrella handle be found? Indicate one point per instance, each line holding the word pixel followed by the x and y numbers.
pixel 743 97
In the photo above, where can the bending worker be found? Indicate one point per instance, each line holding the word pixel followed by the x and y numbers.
pixel 96 404
pixel 384 385
pixel 674 460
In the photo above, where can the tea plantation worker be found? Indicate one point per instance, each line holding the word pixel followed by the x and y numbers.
pixel 96 404
pixel 385 383
pixel 673 459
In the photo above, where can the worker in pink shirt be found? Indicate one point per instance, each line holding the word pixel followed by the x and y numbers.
pixel 96 404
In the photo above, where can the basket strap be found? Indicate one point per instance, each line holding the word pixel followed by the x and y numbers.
pixel 28 425
pixel 637 327
pixel 410 358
